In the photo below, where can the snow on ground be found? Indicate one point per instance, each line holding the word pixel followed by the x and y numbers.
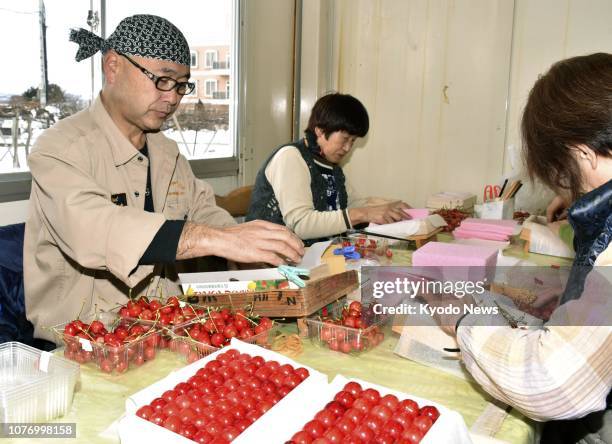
pixel 202 144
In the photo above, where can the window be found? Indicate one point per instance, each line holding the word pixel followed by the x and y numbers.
pixel 227 89
pixel 211 88
pixel 211 59
pixel 70 86
pixel 204 128
pixel 201 126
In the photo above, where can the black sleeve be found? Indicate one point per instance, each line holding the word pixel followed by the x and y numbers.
pixel 162 248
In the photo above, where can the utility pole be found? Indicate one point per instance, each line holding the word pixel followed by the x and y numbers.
pixel 44 81
pixel 93 21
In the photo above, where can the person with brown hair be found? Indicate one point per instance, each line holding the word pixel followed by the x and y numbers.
pixel 563 370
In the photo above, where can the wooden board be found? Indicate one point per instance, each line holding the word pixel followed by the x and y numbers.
pixel 285 303
pixel 422 239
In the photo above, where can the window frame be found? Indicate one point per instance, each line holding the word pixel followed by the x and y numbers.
pixel 193 53
pixel 214 90
pixel 17 186
pixel 215 58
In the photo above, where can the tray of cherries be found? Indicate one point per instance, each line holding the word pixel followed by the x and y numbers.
pixel 356 411
pixel 110 342
pixel 232 394
pixel 347 328
pixel 215 328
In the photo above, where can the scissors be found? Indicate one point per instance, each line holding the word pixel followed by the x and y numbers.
pixel 491 192
pixel 348 252
pixel 293 274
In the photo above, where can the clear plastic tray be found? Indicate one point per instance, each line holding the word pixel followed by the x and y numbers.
pixel 109 359
pixel 193 350
pixel 35 386
pixel 341 338
pixel 373 250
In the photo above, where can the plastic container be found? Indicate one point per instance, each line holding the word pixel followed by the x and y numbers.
pixel 341 338
pixel 373 250
pixel 165 329
pixel 35 386
pixel 109 359
pixel 193 350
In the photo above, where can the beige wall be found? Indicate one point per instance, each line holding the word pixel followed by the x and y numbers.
pixel 317 54
pixel 13 212
pixel 547 31
pixel 268 57
pixel 437 77
pixel 434 78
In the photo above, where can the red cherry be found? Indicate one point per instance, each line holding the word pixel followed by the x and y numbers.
pixel 430 412
pixel 423 423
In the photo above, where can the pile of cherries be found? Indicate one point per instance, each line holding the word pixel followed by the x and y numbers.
pixel 359 416
pixel 359 336
pixel 369 247
pixel 453 217
pixel 168 312
pixel 112 350
pixel 224 397
pixel 216 328
pixel 520 216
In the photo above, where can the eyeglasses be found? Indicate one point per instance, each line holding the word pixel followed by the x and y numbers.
pixel 164 83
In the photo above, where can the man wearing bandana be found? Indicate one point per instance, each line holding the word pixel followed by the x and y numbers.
pixel 113 203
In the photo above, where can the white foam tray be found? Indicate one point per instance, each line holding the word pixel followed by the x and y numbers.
pixel 133 429
pixel 288 416
pixel 450 427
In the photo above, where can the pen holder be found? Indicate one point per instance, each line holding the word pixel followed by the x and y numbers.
pixel 497 209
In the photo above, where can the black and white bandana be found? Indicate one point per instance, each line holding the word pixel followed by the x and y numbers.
pixel 141 35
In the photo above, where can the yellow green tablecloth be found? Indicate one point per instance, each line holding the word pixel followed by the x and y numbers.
pixel 100 399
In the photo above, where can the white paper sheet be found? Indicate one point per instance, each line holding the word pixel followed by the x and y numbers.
pixel 407 228
pixel 312 257
pixel 544 241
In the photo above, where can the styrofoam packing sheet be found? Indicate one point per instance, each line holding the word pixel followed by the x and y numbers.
pixel 288 416
pixel 133 429
pixel 450 427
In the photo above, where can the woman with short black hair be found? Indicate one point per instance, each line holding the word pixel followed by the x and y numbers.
pixel 301 184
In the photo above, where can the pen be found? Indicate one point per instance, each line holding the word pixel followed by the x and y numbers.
pixel 501 192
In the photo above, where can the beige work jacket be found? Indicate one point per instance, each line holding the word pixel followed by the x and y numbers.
pixel 82 246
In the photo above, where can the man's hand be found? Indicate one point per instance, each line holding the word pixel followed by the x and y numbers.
pixel 379 214
pixel 556 210
pixel 256 241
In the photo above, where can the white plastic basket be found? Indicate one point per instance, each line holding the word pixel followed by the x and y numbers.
pixel 35 386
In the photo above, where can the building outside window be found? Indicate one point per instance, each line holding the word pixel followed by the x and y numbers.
pixel 211 59
pixel 211 88
pixel 201 126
